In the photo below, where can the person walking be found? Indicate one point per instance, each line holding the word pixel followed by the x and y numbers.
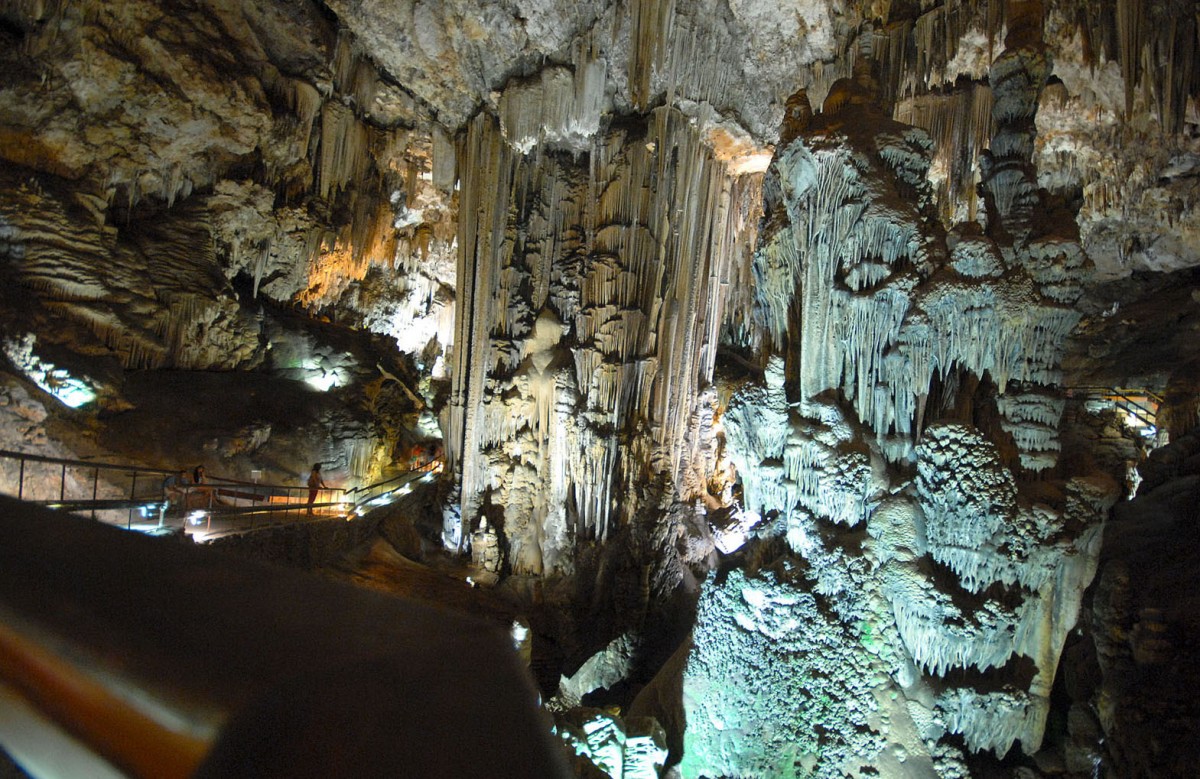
pixel 315 484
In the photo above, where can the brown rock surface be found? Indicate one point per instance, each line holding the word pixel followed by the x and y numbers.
pixel 1146 630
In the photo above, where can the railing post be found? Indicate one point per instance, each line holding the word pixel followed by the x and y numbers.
pixel 132 493
pixel 62 482
pixel 21 481
pixel 95 488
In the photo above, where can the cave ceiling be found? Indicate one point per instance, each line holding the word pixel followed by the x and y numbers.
pixel 125 92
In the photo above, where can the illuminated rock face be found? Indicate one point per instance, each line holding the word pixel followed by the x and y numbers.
pixel 591 296
pixel 913 399
pixel 776 687
pixel 633 748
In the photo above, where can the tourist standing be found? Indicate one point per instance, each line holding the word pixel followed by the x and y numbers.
pixel 315 484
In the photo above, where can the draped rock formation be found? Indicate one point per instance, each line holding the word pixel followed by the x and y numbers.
pixel 895 444
pixel 591 295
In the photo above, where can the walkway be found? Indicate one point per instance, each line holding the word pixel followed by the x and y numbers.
pixel 1138 407
pixel 132 497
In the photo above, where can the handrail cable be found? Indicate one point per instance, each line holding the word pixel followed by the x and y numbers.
pixel 216 488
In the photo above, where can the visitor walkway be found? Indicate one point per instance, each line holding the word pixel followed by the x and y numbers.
pixel 133 497
pixel 1138 407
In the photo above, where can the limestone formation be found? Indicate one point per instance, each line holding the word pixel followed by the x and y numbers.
pixel 590 306
pixel 633 748
pixel 890 334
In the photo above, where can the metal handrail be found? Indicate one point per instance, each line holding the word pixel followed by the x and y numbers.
pixel 133 471
pixel 225 480
pixel 428 465
pixel 1124 399
pixel 362 496
pixel 1117 391
pixel 216 488
pixel 215 481
pixel 250 518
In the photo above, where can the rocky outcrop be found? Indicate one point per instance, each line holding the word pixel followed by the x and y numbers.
pixel 174 181
pixel 1129 681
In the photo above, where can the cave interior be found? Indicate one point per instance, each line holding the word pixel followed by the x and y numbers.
pixel 802 389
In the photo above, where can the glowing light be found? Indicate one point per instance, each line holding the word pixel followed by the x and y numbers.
pixel 70 391
pixel 519 632
pixel 324 382
pixel 197 517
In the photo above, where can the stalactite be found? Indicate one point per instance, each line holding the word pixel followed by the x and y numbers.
pixel 344 147
pixel 991 720
pixel 913 55
pixel 1131 39
pixel 636 273
pixel 353 73
pixel 560 108
pixel 876 310
pixel 305 101
pixel 649 21
pixel 960 125
pixel 1155 44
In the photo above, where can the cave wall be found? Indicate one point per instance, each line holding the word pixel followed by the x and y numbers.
pixel 179 184
pixel 903 443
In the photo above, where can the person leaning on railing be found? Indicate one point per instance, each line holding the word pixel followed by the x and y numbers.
pixel 315 484
pixel 175 489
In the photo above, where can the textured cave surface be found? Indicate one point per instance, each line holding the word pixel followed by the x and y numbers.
pixel 762 342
